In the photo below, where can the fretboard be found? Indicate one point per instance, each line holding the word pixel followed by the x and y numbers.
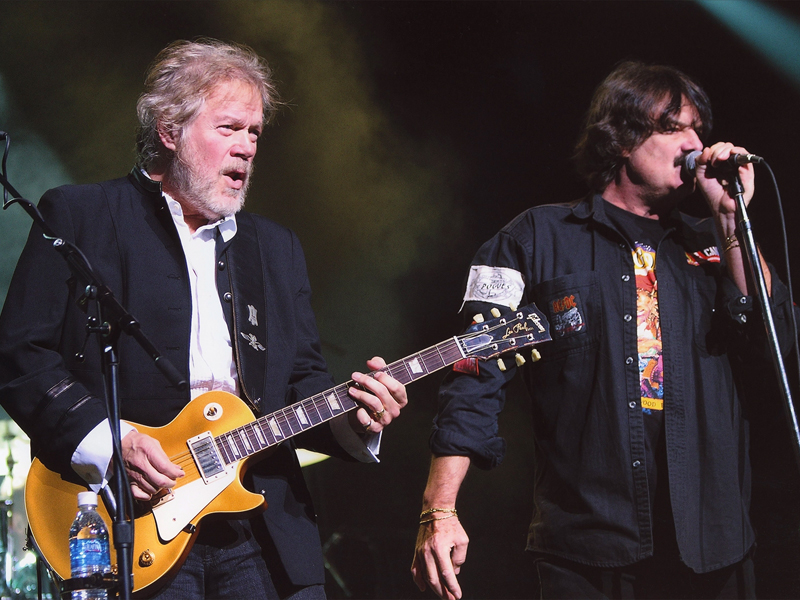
pixel 283 424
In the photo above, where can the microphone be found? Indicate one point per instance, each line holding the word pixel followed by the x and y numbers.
pixel 734 161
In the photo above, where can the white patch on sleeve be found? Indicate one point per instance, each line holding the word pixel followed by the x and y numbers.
pixel 498 285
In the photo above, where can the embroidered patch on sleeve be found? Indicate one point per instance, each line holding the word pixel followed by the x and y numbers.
pixel 498 285
pixel 567 315
pixel 707 255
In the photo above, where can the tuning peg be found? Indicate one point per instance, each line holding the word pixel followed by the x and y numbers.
pixel 495 312
pixel 519 359
pixel 513 306
pixel 500 364
pixel 535 355
pixel 478 318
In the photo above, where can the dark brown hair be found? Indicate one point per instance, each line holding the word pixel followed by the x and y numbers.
pixel 632 103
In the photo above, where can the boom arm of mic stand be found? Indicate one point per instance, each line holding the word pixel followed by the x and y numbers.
pixel 750 251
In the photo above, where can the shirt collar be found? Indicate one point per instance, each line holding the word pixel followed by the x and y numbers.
pixel 227 225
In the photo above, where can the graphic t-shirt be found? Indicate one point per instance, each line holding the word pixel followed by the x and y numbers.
pixel 644 235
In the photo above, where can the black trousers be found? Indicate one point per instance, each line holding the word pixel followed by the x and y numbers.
pixel 650 579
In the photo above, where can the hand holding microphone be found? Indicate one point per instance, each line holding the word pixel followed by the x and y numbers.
pixel 734 161
pixel 715 169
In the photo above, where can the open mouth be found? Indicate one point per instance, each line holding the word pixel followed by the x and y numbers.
pixel 236 178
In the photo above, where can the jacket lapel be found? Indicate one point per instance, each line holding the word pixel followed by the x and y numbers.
pixel 244 297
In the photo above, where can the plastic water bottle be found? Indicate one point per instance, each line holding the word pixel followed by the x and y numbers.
pixel 88 546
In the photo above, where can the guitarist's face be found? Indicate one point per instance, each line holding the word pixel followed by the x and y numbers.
pixel 214 153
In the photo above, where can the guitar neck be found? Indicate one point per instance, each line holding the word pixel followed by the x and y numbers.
pixel 288 422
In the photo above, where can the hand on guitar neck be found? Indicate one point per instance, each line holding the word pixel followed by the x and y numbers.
pixel 380 395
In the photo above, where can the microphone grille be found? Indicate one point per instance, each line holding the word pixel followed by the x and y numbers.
pixel 690 160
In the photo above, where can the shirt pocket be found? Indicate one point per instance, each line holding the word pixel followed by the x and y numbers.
pixel 572 306
pixel 706 337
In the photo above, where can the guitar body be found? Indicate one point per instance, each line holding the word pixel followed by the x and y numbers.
pixel 51 500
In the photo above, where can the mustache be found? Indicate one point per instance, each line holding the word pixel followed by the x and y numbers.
pixel 242 167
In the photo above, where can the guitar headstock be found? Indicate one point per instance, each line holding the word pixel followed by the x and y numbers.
pixel 509 332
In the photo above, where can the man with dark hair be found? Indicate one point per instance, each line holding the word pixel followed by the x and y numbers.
pixel 222 293
pixel 642 476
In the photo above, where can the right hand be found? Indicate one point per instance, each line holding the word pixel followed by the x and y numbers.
pixel 440 552
pixel 149 469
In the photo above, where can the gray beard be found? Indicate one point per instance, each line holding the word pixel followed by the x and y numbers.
pixel 198 191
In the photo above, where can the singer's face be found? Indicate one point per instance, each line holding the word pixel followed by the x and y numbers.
pixel 654 167
pixel 214 155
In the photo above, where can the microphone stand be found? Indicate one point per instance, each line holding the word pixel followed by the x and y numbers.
pixel 750 251
pixel 113 319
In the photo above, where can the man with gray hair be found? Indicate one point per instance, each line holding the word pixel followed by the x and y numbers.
pixel 222 292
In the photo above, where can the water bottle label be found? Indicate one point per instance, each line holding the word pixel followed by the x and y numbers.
pixel 87 556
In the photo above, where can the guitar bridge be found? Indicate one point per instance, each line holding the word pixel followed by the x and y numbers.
pixel 161 497
pixel 206 457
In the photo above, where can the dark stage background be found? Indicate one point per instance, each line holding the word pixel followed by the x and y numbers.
pixel 412 132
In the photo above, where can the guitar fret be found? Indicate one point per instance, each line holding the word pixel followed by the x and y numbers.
pixel 262 427
pixel 344 398
pixel 241 443
pixel 406 371
pixel 268 431
pixel 302 416
pixel 333 402
pixel 284 424
pixel 433 360
pixel 312 412
pixel 260 434
pixel 322 408
pixel 276 431
pixel 237 453
pixel 252 438
pixel 248 447
pixel 224 450
pixel 417 367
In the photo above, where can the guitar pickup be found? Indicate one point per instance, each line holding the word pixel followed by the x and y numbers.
pixel 206 456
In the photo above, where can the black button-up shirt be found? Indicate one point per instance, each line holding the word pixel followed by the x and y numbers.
pixel 591 497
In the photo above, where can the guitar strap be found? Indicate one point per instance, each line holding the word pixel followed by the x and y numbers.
pixel 244 299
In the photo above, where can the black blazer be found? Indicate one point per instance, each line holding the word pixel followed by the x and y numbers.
pixel 127 233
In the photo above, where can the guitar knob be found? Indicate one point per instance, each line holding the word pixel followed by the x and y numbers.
pixel 535 355
pixel 146 559
pixel 519 359
pixel 500 364
pixel 495 312
pixel 478 318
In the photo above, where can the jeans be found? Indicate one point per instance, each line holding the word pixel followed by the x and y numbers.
pixel 227 561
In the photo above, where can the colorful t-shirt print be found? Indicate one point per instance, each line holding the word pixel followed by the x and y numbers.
pixel 651 368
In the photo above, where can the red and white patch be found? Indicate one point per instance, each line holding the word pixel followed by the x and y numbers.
pixel 708 255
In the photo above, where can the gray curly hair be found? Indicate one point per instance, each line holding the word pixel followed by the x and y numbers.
pixel 180 80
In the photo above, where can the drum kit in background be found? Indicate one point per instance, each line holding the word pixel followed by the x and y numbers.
pixel 18 576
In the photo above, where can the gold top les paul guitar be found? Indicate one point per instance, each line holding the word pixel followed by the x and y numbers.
pixel 214 438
